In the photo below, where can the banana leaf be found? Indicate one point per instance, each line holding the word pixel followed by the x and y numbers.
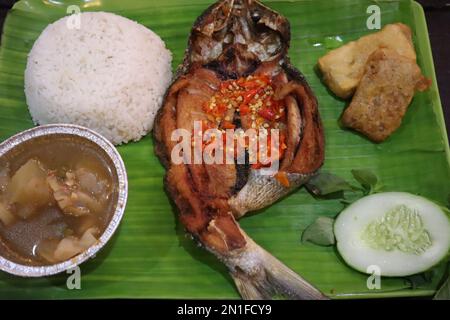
pixel 150 256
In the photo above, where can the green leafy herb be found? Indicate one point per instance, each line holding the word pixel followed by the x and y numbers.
pixel 367 179
pixel 320 232
pixel 325 183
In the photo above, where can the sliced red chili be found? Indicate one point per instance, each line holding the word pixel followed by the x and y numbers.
pixel 249 95
pixel 244 110
pixel 267 114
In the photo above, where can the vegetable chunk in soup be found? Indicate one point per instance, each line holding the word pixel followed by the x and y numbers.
pixel 56 200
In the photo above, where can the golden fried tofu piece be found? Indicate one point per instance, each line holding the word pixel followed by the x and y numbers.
pixel 384 94
pixel 342 68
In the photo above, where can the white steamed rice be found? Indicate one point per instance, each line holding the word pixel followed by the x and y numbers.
pixel 110 76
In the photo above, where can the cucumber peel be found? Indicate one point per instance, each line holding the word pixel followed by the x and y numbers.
pixel 400 233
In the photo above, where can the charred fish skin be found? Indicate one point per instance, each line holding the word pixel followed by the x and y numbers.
pixel 234 39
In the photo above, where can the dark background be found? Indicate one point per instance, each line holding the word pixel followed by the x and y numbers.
pixel 437 13
pixel 438 19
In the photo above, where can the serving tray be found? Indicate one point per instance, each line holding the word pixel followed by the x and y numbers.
pixel 150 256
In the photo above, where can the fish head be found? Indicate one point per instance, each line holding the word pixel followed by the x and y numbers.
pixel 235 36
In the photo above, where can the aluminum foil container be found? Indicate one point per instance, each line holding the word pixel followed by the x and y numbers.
pixel 110 153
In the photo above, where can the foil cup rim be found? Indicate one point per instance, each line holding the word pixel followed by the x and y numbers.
pixel 9 144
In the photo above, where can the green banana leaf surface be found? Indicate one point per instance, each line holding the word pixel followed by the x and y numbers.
pixel 150 256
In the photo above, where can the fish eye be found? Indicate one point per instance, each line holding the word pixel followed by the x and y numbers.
pixel 256 16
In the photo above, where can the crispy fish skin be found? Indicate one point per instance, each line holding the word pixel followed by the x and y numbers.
pixel 384 94
pixel 232 39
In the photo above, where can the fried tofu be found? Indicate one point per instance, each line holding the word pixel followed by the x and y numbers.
pixel 343 68
pixel 385 91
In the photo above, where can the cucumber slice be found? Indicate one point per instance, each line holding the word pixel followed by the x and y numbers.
pixel 400 233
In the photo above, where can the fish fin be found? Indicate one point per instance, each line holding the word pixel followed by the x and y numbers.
pixel 272 279
pixel 248 289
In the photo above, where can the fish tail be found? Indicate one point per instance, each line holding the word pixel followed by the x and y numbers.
pixel 267 278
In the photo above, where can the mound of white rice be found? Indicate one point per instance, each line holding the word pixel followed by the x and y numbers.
pixel 110 75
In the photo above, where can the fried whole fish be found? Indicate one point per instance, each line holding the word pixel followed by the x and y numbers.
pixel 236 74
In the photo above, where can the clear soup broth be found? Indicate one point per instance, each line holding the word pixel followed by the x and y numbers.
pixel 57 196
